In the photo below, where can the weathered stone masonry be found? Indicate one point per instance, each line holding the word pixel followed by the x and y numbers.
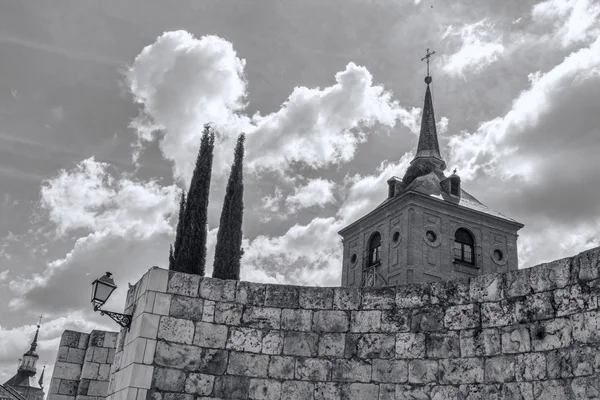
pixel 532 333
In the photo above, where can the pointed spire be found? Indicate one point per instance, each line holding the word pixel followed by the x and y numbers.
pixel 428 148
pixel 35 338
pixel 41 380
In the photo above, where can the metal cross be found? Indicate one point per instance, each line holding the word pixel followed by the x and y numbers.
pixel 427 56
pixel 40 320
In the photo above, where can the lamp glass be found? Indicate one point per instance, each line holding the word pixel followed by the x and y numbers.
pixel 102 289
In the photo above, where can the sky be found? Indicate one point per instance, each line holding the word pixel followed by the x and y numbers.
pixel 102 106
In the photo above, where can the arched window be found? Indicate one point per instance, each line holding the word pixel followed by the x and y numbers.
pixel 464 246
pixel 374 249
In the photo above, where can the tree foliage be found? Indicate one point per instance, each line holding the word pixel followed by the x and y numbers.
pixel 417 169
pixel 228 252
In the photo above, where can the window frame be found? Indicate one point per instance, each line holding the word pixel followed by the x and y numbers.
pixel 374 251
pixel 462 245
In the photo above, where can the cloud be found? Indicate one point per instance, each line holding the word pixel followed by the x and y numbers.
pixel 479 46
pixel 573 21
pixel 317 192
pixel 89 197
pixel 183 82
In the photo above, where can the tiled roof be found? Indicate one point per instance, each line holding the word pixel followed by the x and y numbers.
pixel 8 393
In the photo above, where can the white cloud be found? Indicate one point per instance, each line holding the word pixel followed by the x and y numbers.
pixel 574 21
pixel 89 197
pixel 479 47
pixel 480 151
pixel 183 82
pixel 317 192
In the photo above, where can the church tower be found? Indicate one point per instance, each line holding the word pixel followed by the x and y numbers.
pixel 24 381
pixel 429 228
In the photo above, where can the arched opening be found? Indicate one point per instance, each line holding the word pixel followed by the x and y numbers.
pixel 464 246
pixel 374 249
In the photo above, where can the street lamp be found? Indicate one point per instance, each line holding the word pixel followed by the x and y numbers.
pixel 102 288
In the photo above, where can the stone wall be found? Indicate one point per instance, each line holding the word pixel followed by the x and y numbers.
pixel 532 333
pixel 82 368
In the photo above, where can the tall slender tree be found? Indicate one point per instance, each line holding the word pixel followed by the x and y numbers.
pixel 228 251
pixel 190 255
pixel 174 250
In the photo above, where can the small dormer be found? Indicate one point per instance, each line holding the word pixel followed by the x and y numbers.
pixel 451 185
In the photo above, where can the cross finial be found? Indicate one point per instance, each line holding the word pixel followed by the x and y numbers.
pixel 427 56
pixel 40 319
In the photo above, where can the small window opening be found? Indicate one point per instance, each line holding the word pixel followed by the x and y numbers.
pixel 374 249
pixel 464 245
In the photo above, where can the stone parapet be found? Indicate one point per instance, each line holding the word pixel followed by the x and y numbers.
pixel 527 334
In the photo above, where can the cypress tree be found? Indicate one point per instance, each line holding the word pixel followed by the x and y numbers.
pixel 228 251
pixel 174 250
pixel 190 256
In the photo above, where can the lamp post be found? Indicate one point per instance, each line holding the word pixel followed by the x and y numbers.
pixel 102 288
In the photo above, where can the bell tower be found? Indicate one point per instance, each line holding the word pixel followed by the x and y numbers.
pixel 428 228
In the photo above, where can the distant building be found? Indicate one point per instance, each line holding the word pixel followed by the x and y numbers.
pixel 429 228
pixel 24 382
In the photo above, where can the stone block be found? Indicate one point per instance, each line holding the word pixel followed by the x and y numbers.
pixel 535 307
pixel 375 345
pixel 550 276
pixel 586 327
pixel 245 339
pixel 296 320
pixel 389 371
pixel 231 387
pixel 176 330
pixel 281 367
pixel 199 384
pixel 454 292
pixel 75 355
pixel 394 321
pixel 63 352
pixel 487 287
pixel 99 354
pixel 63 370
pixel 162 304
pixel 346 298
pixel 378 298
pixel 412 392
pixel 442 345
pixel 208 311
pixel 462 316
pixel 250 293
pixel 183 284
pixel 500 369
pixel 365 321
pixel 82 389
pixel 427 319
pixel 217 289
pixel 282 296
pixel 228 313
pixel 272 343
pixel 332 344
pixel 351 370
pixel 589 264
pixel 168 379
pixel 387 391
pixel 552 390
pixel 68 387
pixel 516 339
pixel 517 391
pixel 265 389
pixel 571 300
pixel 69 339
pixel 90 370
pixel 413 296
pixel 303 344
pixel 530 367
pixel 264 318
pixel 296 390
pixel 98 388
pixel 97 338
pixel 327 391
pixel 570 362
pixel 480 342
pixel 190 358
pixel 360 391
pixel 500 313
pixel 480 392
pixel 422 371
pixel 552 334
pixel 330 321
pixel 210 335
pixel 410 345
pixel 586 388
pixel 248 364
pixel 319 298
pixel 461 371
pixel 313 369
pixel 184 307
pixel 104 372
pixel 518 283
